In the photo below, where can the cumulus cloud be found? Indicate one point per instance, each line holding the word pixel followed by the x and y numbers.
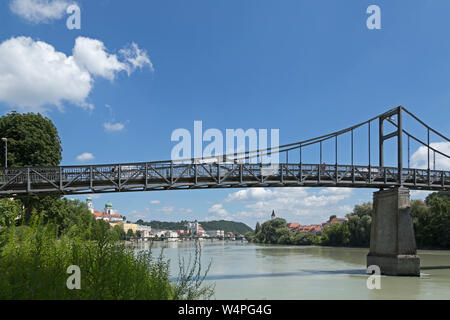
pixel 304 205
pixel 155 202
pixel 91 55
pixel 420 158
pixel 34 75
pixel 39 11
pixel 249 194
pixel 86 156
pixel 218 210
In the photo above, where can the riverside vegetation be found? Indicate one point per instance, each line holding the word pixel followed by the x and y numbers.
pixel 431 225
pixel 41 237
pixel 34 258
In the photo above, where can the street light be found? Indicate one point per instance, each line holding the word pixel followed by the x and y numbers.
pixel 5 140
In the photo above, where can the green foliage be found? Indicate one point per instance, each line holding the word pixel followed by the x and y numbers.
pixel 337 234
pixel 359 225
pixel 34 260
pixel 32 140
pixel 250 236
pixel 130 233
pixel 304 239
pixel 432 220
pixel 226 226
pixel 444 195
pixel 10 212
pixel 190 280
pixel 271 232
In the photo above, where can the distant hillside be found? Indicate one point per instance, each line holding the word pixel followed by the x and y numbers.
pixel 227 226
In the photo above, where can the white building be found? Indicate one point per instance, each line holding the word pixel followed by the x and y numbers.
pixel 171 234
pixel 108 214
pixel 215 233
pixel 145 231
pixel 195 228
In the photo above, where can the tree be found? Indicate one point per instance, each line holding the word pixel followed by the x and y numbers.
pixel 130 233
pixel 364 209
pixel 304 238
pixel 332 217
pixel 272 230
pixel 33 141
pixel 359 225
pixel 336 235
pixel 257 227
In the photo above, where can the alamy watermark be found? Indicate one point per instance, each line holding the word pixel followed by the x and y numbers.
pixel 235 146
pixel 73 281
pixel 374 281
pixel 74 20
pixel 374 20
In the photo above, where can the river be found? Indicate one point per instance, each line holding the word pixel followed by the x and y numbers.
pixel 252 271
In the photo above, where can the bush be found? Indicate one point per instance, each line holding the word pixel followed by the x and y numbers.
pixel 34 260
pixel 336 235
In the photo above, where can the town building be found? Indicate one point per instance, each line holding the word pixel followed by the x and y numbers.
pixel 145 231
pixel 108 214
pixel 195 229
pixel 130 226
pixel 215 233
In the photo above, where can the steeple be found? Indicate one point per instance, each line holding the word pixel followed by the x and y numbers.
pixel 89 204
pixel 273 214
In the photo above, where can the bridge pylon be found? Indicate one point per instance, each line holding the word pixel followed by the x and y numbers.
pixel 392 243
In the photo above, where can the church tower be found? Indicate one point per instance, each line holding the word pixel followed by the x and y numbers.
pixel 273 215
pixel 89 204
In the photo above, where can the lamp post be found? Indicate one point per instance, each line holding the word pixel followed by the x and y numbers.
pixel 5 140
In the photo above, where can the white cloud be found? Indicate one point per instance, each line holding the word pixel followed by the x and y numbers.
pixel 155 202
pixel 419 194
pixel 172 210
pixel 86 156
pixel 34 75
pixel 304 205
pixel 137 58
pixel 249 194
pixel 91 55
pixel 113 127
pixel 218 210
pixel 38 11
pixel 420 158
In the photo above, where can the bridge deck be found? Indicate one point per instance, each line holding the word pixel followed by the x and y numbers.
pixel 154 176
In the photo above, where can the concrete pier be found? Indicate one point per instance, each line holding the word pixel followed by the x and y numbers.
pixel 392 242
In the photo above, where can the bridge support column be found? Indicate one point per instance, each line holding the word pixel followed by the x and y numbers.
pixel 392 242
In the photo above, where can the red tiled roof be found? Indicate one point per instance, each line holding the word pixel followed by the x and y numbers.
pixel 99 214
pixel 293 225
pixel 338 220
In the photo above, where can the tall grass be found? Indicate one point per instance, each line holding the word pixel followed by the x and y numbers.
pixel 34 260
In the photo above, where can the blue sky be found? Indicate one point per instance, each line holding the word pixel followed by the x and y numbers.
pixel 303 67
